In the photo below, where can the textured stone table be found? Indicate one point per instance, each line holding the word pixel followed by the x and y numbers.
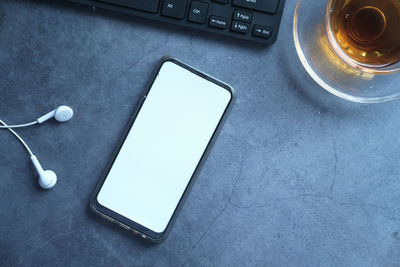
pixel 296 177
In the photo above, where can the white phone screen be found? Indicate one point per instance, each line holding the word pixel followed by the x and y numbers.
pixel 164 146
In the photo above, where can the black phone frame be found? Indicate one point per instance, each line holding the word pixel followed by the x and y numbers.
pixel 124 222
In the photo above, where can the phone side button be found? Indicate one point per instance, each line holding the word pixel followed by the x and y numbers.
pixel 124 226
pixel 107 217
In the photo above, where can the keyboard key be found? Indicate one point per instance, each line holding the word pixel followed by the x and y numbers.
pixel 269 6
pixel 242 27
pixel 144 5
pixel 262 31
pixel 198 12
pixel 242 16
pixel 221 1
pixel 218 22
pixel 174 8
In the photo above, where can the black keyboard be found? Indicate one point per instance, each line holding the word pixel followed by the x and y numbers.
pixel 253 20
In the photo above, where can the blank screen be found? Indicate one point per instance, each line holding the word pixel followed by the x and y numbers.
pixel 164 146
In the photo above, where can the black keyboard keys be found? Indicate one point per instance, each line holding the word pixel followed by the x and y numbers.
pixel 218 22
pixel 242 16
pixel 242 27
pixel 269 6
pixel 198 12
pixel 262 31
pixel 174 8
pixel 252 20
pixel 144 5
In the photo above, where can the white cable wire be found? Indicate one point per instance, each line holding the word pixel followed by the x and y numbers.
pixel 19 125
pixel 18 137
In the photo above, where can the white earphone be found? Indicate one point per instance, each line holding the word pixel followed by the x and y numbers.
pixel 61 114
pixel 47 178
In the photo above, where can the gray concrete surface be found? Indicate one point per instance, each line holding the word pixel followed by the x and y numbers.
pixel 297 177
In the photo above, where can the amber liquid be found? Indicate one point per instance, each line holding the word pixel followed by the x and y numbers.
pixel 368 31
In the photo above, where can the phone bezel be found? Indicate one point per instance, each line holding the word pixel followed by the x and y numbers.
pixel 124 222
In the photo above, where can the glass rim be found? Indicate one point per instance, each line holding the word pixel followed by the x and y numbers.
pixel 320 81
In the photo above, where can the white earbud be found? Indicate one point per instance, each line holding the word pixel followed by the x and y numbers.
pixel 61 114
pixel 47 179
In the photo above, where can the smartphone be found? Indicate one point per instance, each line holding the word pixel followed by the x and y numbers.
pixel 162 149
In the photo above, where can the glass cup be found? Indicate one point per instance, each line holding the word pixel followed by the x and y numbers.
pixel 351 47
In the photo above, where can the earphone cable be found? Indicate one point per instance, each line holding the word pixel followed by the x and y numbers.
pixel 18 137
pixel 19 125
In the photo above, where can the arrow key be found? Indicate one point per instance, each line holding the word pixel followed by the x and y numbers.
pixel 262 31
pixel 238 26
pixel 218 22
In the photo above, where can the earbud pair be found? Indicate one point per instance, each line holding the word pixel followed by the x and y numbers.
pixel 47 178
